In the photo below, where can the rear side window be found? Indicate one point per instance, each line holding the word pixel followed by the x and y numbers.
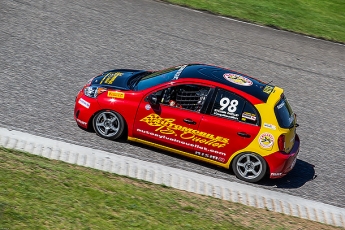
pixel 284 113
pixel 227 105
pixel 231 106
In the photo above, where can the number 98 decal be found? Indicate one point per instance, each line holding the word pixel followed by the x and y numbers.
pixel 231 104
pixel 228 105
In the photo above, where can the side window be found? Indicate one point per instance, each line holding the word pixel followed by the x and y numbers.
pixel 231 106
pixel 227 105
pixel 191 97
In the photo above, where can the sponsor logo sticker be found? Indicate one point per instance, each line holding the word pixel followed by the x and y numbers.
pixel 270 126
pixel 249 116
pixel 210 156
pixel 109 78
pixel 116 94
pixel 147 107
pixel 276 174
pixel 281 105
pixel 268 89
pixel 180 133
pixel 177 74
pixel 266 140
pixel 238 79
pixel 84 103
pixel 81 122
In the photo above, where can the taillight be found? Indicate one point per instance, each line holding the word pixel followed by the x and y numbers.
pixel 281 143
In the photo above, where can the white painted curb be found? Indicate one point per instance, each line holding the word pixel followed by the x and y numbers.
pixel 176 178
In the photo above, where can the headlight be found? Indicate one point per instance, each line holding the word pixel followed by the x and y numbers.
pixel 93 91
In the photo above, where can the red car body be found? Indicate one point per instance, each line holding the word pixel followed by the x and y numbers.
pixel 244 127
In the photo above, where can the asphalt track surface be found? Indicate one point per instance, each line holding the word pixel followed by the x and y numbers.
pixel 49 49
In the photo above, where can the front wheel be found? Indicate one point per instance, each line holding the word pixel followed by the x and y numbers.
pixel 249 167
pixel 109 124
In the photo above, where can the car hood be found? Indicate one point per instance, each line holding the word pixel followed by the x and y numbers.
pixel 116 79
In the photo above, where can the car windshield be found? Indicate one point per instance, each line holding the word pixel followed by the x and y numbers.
pixel 157 78
pixel 284 113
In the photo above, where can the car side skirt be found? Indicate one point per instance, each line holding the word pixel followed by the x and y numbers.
pixel 190 155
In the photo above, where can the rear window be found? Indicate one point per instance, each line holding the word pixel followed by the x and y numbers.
pixel 284 113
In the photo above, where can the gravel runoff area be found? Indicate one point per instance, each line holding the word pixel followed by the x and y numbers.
pixel 176 178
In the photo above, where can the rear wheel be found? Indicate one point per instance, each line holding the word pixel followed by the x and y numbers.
pixel 109 124
pixel 249 167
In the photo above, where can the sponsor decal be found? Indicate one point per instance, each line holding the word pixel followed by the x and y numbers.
pixel 281 105
pixel 249 116
pixel 269 126
pixel 147 107
pixel 183 142
pixel 177 74
pixel 81 122
pixel 84 103
pixel 210 156
pixel 228 108
pixel 116 94
pixel 167 126
pixel 268 89
pixel 266 140
pixel 238 79
pixel 109 78
pixel 276 174
pixel 225 114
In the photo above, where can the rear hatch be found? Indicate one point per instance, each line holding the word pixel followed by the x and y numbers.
pixel 287 121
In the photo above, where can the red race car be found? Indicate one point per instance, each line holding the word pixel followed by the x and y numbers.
pixel 201 111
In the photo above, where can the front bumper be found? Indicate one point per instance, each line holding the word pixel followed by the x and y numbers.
pixel 281 163
pixel 84 109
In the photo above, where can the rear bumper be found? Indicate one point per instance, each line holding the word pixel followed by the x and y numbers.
pixel 280 163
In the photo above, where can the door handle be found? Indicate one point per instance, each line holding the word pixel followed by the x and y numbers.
pixel 189 121
pixel 242 134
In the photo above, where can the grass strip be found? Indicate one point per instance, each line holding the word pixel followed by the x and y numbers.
pixel 38 193
pixel 323 19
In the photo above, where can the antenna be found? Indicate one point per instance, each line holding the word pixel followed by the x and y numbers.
pixel 267 83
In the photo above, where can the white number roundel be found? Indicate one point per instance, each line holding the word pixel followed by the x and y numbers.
pixel 231 104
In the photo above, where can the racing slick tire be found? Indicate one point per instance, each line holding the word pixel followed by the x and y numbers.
pixel 109 124
pixel 249 167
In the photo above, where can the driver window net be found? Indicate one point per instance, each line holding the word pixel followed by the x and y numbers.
pixel 191 97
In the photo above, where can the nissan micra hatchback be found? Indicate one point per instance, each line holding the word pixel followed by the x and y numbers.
pixel 200 111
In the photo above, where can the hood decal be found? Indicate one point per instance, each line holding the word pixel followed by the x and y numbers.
pixel 115 79
pixel 109 78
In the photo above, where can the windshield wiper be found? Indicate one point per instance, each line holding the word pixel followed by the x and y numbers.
pixel 134 82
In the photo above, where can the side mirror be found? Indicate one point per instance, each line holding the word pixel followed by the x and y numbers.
pixel 153 100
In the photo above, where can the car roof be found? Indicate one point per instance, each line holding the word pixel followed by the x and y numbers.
pixel 227 77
